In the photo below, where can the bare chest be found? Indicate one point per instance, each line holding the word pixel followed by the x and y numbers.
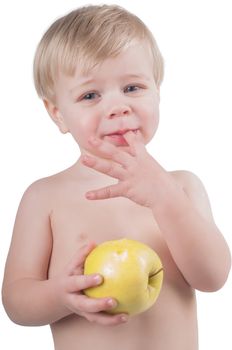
pixel 75 222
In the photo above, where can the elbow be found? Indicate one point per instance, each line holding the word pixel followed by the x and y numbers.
pixel 214 279
pixel 14 316
pixel 11 308
pixel 8 308
pixel 210 285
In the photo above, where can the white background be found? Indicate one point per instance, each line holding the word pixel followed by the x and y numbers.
pixel 195 38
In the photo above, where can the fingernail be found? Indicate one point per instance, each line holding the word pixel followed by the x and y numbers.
pixel 89 195
pixel 97 279
pixel 94 141
pixel 88 161
pixel 124 318
pixel 112 303
pixel 85 158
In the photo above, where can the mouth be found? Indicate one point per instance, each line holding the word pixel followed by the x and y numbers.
pixel 117 137
pixel 122 132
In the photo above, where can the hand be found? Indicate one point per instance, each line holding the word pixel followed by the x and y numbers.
pixel 71 284
pixel 140 177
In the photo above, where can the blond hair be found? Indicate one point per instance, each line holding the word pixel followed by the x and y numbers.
pixel 87 36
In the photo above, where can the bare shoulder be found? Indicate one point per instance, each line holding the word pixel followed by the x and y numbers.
pixel 33 226
pixel 188 180
pixel 195 190
pixel 45 189
pixel 36 197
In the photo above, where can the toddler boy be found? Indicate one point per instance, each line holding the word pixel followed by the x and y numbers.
pixel 98 71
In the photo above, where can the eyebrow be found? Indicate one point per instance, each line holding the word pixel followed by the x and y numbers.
pixel 91 80
pixel 137 76
pixel 82 84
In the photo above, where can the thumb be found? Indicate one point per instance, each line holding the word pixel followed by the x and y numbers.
pixel 76 265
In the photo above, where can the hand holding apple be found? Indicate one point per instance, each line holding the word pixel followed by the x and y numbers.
pixel 132 273
pixel 71 282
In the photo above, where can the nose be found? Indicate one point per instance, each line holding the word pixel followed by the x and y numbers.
pixel 119 110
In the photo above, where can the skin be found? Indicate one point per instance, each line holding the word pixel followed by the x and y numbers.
pixel 116 189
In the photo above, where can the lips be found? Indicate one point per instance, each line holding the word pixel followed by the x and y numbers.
pixel 117 137
pixel 121 132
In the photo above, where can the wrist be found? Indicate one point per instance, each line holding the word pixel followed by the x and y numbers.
pixel 171 202
pixel 58 295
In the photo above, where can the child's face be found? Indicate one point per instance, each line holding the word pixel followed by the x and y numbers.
pixel 119 94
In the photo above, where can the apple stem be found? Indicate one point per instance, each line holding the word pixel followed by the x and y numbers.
pixel 161 269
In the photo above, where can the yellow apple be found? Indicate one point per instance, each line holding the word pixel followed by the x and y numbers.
pixel 132 273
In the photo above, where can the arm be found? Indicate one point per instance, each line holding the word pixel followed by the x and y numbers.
pixel 29 297
pixel 180 207
pixel 24 288
pixel 195 242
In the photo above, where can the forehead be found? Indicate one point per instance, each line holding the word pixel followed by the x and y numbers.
pixel 135 60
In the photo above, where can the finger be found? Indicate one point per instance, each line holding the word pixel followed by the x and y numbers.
pixel 104 166
pixel 134 140
pixel 106 319
pixel 76 264
pixel 106 192
pixel 85 304
pixel 110 151
pixel 80 282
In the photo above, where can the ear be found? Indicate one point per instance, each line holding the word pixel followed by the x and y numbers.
pixel 56 116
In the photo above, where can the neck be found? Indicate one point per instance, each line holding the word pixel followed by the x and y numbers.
pixel 91 175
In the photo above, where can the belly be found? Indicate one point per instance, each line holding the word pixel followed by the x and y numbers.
pixel 170 324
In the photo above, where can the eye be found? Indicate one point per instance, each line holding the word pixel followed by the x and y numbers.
pixel 131 88
pixel 90 96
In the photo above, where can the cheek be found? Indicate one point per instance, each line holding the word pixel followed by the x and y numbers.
pixel 82 129
pixel 80 122
pixel 151 120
